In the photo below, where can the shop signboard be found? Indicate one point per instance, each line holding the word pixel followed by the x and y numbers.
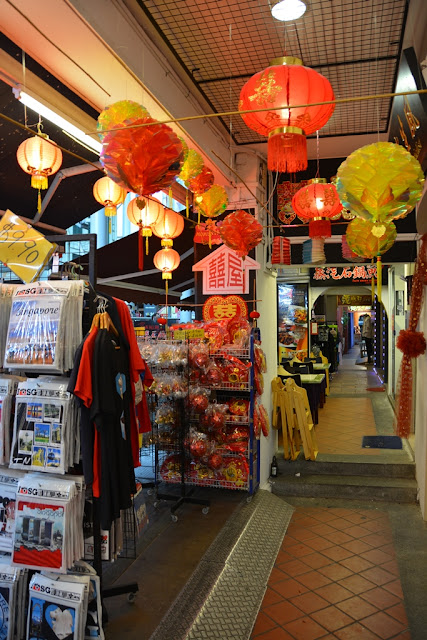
pixel 23 249
pixel 359 274
pixel 223 271
pixel 354 300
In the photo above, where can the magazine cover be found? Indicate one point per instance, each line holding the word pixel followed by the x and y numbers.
pixel 8 489
pixel 6 627
pixel 39 427
pixel 39 534
pixel 54 611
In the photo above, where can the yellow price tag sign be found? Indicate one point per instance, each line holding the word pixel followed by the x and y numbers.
pixel 23 249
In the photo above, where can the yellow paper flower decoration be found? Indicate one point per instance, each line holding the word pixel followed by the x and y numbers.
pixel 380 182
pixel 192 166
pixel 213 202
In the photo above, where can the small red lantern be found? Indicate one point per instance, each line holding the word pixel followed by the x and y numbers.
pixel 162 321
pixel 168 226
pixel 317 202
pixel 286 82
pixel 241 232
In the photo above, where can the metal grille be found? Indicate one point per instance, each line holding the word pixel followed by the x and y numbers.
pixel 354 43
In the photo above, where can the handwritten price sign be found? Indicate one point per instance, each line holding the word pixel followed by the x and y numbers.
pixel 23 249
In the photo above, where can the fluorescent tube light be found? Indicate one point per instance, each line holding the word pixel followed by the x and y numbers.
pixel 53 117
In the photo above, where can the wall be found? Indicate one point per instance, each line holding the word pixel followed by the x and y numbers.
pixel 421 419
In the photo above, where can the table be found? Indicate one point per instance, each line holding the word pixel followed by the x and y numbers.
pixel 321 366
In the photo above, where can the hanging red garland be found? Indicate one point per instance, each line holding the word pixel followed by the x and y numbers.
pixel 412 343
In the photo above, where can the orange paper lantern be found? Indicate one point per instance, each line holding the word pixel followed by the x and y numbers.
pixel 166 260
pixel 286 82
pixel 40 157
pixel 144 212
pixel 168 226
pixel 109 194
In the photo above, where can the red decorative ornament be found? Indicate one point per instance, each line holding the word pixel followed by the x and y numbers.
pixel 143 160
pixel 280 88
pixel 241 232
pixel 411 343
pixel 162 321
pixel 207 233
pixel 215 461
pixel 202 182
pixel 317 203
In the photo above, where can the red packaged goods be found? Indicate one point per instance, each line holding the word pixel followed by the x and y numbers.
pixel 281 251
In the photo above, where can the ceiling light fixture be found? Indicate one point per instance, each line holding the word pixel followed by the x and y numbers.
pixel 286 10
pixel 58 120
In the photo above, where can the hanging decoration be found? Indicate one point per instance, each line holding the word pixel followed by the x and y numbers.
pixel 109 194
pixel 412 343
pixel 286 82
pixel 281 250
pixel 166 260
pixel 380 182
pixel 144 213
pixel 213 202
pixel 347 253
pixel 192 166
pixel 168 226
pixel 313 251
pixel 142 159
pixel 120 114
pixel 317 202
pixel 41 158
pixel 241 232
pixel 207 233
pixel 202 182
pixel 368 240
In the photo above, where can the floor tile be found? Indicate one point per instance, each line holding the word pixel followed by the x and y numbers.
pixel 276 575
pixel 357 546
pixel 378 576
pixel 289 588
pixel 274 634
pixel 316 560
pixel 357 608
pixel 395 588
pixel 299 550
pixel 356 564
pixel 294 568
pixel 309 602
pixel 356 584
pixel 337 553
pixel 335 572
pixel 313 580
pixel 283 612
pixel 332 618
pixel 270 597
pixel 398 612
pixel 334 593
pixel 263 623
pixel 318 544
pixel 376 556
pixel 355 632
pixel 380 598
pixel 305 629
pixel 383 625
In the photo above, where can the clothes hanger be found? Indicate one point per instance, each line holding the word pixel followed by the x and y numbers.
pixel 107 323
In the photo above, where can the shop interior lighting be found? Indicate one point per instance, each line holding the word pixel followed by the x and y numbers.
pixel 286 10
pixel 46 113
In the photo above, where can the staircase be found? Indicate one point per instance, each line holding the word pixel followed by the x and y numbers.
pixel 349 480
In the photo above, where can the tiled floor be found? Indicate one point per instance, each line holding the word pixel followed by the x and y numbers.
pixel 335 576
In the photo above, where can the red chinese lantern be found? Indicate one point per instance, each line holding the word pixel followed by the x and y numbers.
pixel 142 159
pixel 40 158
pixel 317 202
pixel 168 226
pixel 166 260
pixel 286 82
pixel 241 232
pixel 144 212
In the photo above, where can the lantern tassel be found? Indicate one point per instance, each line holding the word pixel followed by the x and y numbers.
pixel 109 226
pixel 187 207
pixel 146 245
pixel 319 228
pixel 140 252
pixel 39 202
pixel 287 152
pixel 198 217
pixel 170 198
pixel 379 278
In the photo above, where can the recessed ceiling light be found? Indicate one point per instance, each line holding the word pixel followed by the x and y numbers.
pixel 286 10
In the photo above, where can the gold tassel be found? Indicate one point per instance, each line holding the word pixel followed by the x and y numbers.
pixel 198 217
pixel 109 225
pixel 187 208
pixel 39 202
pixel 166 287
pixel 170 198
pixel 146 245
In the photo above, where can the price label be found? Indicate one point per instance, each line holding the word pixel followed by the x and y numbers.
pixel 23 249
pixel 184 334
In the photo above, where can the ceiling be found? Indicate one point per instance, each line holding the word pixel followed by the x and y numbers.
pixel 221 44
pixel 92 54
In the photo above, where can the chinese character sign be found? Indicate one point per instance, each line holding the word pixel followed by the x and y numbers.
pixel 359 273
pixel 224 308
pixel 225 272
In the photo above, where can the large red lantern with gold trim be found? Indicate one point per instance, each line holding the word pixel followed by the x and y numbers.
pixel 286 82
pixel 317 202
